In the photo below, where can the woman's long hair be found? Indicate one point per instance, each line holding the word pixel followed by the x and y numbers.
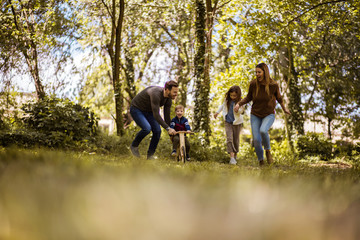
pixel 267 78
pixel 238 93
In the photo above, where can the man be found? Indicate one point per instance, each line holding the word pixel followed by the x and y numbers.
pixel 145 108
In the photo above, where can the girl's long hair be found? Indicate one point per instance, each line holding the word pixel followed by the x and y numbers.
pixel 238 93
pixel 267 78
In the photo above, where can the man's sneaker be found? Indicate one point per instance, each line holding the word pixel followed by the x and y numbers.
pixel 261 163
pixel 135 151
pixel 173 153
pixel 151 157
pixel 233 161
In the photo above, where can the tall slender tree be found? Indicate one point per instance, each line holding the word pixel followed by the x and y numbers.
pixel 115 10
pixel 201 109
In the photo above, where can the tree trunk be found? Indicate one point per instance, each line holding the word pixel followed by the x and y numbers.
pixel 296 117
pixel 32 62
pixel 329 128
pixel 201 110
pixel 114 49
pixel 116 74
pixel 277 67
pixel 129 74
pixel 180 65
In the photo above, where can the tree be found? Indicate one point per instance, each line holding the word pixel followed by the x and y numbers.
pixel 37 31
pixel 201 88
pixel 205 15
pixel 108 24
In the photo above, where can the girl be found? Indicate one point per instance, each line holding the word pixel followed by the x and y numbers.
pixel 263 91
pixel 233 121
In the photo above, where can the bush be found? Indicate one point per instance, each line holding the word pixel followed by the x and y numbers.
pixel 281 151
pixel 313 144
pixel 344 148
pixel 52 122
pixel 29 138
pixel 277 134
pixel 60 119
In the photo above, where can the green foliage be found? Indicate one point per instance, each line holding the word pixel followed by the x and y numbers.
pixel 97 93
pixel 281 151
pixel 60 119
pixel 277 134
pixel 10 113
pixel 113 144
pixel 344 148
pixel 313 144
pixel 30 138
pixel 2 123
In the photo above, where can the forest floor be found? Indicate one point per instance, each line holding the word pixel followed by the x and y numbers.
pixel 47 194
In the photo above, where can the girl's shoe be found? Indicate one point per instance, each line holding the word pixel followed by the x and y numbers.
pixel 233 161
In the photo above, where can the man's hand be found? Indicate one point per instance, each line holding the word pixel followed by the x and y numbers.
pixel 171 131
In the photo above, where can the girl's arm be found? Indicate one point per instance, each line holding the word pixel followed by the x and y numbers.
pixel 218 111
pixel 242 109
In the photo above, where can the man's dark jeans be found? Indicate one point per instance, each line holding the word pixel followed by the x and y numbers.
pixel 147 123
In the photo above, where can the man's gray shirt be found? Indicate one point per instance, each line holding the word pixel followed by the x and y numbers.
pixel 150 100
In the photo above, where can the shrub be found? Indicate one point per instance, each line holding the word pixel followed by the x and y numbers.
pixel 277 134
pixel 345 148
pixel 60 119
pixel 281 151
pixel 52 122
pixel 313 144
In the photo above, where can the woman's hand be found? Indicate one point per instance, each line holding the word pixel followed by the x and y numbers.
pixel 287 111
pixel 215 115
pixel 236 108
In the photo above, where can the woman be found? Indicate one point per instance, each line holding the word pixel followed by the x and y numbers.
pixel 263 91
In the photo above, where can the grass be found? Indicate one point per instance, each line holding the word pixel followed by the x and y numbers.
pixel 48 194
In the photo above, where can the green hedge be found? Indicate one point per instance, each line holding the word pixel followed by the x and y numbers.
pixel 52 122
pixel 314 144
pixel 57 118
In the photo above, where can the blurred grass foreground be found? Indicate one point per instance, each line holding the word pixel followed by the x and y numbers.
pixel 48 194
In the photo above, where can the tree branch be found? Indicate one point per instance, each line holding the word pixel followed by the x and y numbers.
pixel 224 4
pixel 312 8
pixel 107 8
pixel 171 36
